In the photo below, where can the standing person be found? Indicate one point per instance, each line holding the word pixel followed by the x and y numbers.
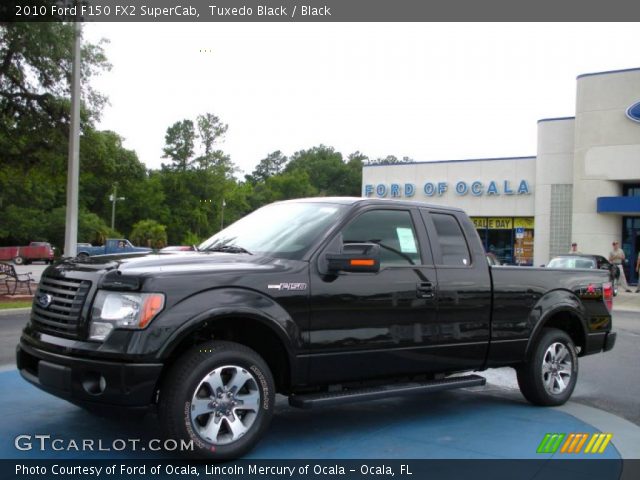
pixel 617 257
pixel 574 248
pixel 638 271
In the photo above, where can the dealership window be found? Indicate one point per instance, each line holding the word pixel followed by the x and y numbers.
pixel 631 190
pixel 631 235
pixel 510 239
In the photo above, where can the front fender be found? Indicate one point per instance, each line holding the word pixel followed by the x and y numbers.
pixel 551 304
pixel 175 324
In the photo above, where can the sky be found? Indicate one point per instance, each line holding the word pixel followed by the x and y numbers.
pixel 426 91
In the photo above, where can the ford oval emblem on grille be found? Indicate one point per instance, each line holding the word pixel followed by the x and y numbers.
pixel 633 112
pixel 44 300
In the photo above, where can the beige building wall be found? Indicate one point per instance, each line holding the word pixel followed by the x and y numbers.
pixel 607 152
pixel 451 172
pixel 554 179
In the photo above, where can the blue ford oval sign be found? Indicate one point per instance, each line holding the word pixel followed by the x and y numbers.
pixel 633 112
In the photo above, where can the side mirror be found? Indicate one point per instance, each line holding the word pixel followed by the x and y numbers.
pixel 355 257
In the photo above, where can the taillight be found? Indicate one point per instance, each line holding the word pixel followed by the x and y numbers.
pixel 607 295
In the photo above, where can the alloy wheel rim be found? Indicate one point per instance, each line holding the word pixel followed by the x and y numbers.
pixel 225 405
pixel 557 368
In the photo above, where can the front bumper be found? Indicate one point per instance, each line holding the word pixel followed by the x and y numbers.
pixel 90 383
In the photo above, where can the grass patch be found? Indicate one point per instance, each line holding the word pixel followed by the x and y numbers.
pixel 15 304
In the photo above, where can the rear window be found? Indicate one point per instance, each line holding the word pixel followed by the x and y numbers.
pixel 453 244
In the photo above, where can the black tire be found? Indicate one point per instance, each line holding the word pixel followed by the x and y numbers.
pixel 83 255
pixel 543 380
pixel 18 260
pixel 187 382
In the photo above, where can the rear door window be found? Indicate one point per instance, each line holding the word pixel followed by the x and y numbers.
pixel 452 242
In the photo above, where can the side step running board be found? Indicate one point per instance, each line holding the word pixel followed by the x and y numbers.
pixel 329 399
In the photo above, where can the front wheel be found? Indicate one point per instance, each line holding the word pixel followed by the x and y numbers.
pixel 219 395
pixel 549 376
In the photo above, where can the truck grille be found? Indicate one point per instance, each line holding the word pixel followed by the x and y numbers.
pixel 62 316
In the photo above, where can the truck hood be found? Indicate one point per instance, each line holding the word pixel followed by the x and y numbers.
pixel 142 264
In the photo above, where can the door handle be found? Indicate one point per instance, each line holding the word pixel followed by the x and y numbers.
pixel 425 290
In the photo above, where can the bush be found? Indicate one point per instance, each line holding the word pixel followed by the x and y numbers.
pixel 149 233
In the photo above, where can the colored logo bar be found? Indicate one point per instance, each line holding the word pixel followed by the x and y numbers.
pixel 574 442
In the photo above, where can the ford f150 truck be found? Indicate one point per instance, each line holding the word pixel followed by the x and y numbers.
pixel 112 246
pixel 325 301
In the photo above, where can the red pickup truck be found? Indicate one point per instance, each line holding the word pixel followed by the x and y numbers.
pixel 36 251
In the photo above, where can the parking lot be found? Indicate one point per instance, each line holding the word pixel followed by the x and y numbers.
pixel 464 424
pixel 486 422
pixel 491 422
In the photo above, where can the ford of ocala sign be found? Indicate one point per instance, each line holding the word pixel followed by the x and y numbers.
pixel 633 112
pixel 475 188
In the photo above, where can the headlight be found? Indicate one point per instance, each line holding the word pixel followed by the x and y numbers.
pixel 122 310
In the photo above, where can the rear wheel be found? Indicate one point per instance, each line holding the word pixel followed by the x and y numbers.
pixel 18 260
pixel 550 375
pixel 221 396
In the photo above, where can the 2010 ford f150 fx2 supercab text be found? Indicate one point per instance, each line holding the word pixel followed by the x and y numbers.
pixel 325 300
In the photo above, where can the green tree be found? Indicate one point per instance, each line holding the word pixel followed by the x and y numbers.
pixel 210 131
pixel 103 163
pixel 288 185
pixel 273 164
pixel 190 238
pixel 179 145
pixel 149 233
pixel 33 225
pixel 327 171
pixel 35 66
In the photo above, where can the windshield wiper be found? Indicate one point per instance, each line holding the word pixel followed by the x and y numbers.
pixel 228 249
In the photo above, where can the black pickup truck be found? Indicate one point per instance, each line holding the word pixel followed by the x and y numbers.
pixel 324 300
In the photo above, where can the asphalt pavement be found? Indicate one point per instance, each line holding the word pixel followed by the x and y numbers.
pixel 486 422
pixel 10 327
pixel 609 381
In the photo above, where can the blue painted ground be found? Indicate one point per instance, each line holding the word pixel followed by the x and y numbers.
pixel 460 424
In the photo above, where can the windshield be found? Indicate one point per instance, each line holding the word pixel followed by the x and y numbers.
pixel 572 262
pixel 285 230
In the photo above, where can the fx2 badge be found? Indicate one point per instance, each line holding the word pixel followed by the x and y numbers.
pixel 287 286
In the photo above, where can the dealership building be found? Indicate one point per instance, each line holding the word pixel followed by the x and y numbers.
pixel 583 185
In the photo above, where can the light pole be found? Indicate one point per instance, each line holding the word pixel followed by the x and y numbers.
pixel 224 204
pixel 73 169
pixel 113 198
